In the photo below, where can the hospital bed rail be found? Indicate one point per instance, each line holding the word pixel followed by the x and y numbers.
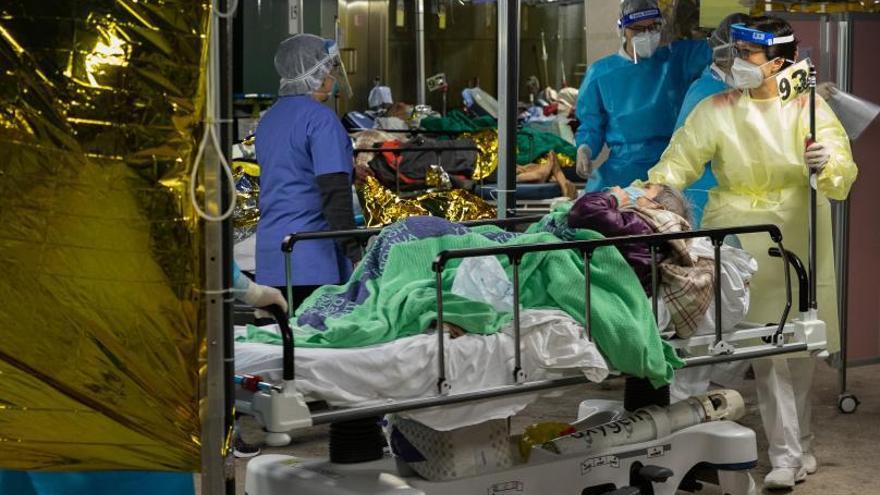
pixel 720 351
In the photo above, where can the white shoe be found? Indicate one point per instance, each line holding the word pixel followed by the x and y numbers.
pixel 780 478
pixel 809 463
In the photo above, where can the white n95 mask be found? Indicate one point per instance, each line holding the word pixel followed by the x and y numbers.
pixel 645 44
pixel 746 75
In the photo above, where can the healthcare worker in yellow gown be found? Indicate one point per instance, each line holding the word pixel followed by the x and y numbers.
pixel 761 159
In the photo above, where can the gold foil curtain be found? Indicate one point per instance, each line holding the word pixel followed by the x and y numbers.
pixel 100 103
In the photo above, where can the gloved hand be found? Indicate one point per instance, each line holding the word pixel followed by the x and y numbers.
pixel 816 156
pixel 260 296
pixel 583 164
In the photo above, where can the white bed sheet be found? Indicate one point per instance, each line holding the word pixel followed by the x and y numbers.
pixel 552 347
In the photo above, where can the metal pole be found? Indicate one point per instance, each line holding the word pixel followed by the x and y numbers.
pixel 841 227
pixel 226 140
pixel 442 386
pixel 216 410
pixel 420 51
pixel 812 189
pixel 588 256
pixel 518 374
pixel 716 244
pixel 655 283
pixel 508 57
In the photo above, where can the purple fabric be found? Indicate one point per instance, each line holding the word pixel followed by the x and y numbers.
pixel 598 211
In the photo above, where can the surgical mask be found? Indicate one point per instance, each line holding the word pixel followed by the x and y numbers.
pixel 634 193
pixel 746 75
pixel 645 44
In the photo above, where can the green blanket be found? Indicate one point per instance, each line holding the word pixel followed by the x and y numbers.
pixel 530 144
pixel 392 294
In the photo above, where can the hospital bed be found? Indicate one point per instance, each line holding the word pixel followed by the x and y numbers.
pixel 530 198
pixel 282 405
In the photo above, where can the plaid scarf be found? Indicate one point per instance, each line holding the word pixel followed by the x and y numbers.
pixel 688 281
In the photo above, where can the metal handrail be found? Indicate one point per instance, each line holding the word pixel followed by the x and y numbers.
pixel 778 346
pixel 586 247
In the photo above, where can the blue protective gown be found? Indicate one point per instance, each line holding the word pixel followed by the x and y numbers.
pixel 708 84
pixel 632 108
pixel 297 140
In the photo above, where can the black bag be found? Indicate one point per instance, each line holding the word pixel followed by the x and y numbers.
pixel 413 165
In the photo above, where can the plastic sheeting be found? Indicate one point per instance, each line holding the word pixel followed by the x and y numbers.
pixel 100 103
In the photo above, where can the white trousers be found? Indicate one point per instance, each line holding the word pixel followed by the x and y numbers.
pixel 784 399
pixel 689 382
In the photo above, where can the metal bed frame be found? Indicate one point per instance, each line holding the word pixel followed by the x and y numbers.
pixel 719 348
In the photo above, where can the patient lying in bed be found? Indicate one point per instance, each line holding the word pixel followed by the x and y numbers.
pixel 686 275
pixel 633 211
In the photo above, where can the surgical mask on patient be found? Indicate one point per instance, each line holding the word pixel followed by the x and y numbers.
pixel 645 44
pixel 634 193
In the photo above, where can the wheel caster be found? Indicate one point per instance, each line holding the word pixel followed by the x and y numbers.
pixel 848 403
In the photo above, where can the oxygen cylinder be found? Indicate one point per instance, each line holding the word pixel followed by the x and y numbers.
pixel 651 423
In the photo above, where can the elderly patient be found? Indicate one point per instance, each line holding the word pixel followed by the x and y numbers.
pixel 618 212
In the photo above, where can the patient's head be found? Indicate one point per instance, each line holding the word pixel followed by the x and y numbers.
pixel 669 198
pixel 656 196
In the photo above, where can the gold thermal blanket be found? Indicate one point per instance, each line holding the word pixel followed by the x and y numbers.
pixel 101 103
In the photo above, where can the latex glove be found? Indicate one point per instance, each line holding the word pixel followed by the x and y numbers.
pixel 260 296
pixel 816 156
pixel 826 90
pixel 583 164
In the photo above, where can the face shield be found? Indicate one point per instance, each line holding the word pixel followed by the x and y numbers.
pixel 337 70
pixel 719 41
pixel 646 35
pixel 305 61
pixel 745 42
pixel 741 37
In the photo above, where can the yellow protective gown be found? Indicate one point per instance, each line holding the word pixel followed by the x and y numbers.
pixel 757 152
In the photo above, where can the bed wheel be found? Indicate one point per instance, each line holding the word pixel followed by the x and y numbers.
pixel 848 403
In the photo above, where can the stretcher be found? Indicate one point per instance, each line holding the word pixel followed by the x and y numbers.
pixel 530 198
pixel 658 462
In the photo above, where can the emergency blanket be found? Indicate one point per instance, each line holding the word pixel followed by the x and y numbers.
pixel 530 144
pixel 392 293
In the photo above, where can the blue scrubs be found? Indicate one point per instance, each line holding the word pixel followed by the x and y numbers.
pixel 708 84
pixel 632 108
pixel 96 483
pixel 296 141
